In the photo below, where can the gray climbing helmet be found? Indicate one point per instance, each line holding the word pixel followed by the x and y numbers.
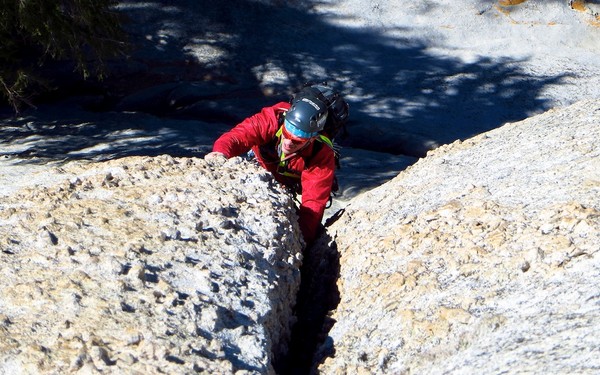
pixel 307 115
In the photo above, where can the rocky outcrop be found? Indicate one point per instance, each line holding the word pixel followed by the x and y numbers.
pixel 482 257
pixel 148 265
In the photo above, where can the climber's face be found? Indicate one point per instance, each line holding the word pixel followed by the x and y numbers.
pixel 289 146
pixel 291 143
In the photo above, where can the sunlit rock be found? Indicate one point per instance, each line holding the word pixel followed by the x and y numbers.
pixel 148 265
pixel 483 257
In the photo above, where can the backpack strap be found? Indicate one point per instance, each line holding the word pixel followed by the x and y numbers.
pixel 324 140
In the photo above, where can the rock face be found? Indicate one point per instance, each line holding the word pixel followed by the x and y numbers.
pixel 148 265
pixel 482 257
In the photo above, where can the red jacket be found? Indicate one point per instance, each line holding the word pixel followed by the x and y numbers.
pixel 315 167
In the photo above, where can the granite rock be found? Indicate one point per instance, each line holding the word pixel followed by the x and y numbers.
pixel 482 257
pixel 148 265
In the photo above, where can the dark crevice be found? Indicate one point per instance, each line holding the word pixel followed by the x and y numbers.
pixel 317 297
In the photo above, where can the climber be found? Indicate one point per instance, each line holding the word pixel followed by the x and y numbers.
pixel 288 140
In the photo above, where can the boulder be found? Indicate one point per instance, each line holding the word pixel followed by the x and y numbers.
pixel 148 265
pixel 482 257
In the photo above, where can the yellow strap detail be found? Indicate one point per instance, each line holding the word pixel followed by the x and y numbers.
pixel 326 140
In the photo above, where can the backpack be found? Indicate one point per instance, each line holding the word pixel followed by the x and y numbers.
pixel 337 107
pixel 337 117
pixel 335 125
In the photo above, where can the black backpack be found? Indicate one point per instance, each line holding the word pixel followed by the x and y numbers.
pixel 337 107
pixel 337 117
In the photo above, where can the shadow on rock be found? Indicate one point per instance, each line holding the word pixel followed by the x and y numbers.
pixel 317 297
pixel 200 60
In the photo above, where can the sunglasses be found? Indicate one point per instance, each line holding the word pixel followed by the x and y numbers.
pixel 293 138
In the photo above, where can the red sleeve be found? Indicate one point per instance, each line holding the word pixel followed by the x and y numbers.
pixel 254 130
pixel 317 180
